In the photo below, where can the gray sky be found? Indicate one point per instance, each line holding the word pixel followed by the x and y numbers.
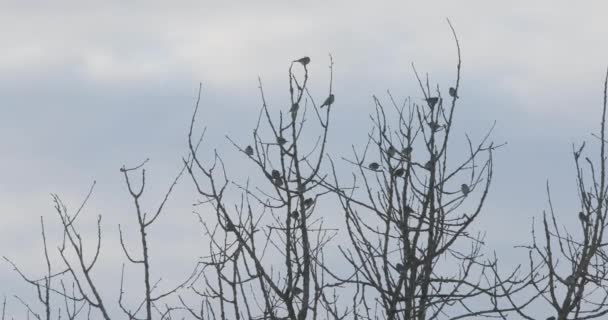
pixel 86 88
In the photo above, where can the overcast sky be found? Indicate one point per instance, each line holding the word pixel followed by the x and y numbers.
pixel 86 88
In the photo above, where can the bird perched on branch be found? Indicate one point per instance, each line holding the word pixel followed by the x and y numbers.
pixel 390 152
pixel 434 126
pixel 281 141
pixel 308 202
pixel 400 268
pixel 304 61
pixel 249 151
pixel 453 93
pixel 465 189
pixel 230 226
pixel 570 280
pixel 374 166
pixel 398 172
pixel 429 165
pixel 294 215
pixel 432 101
pixel 328 101
pixel 294 107
pixel 276 174
pixel 583 217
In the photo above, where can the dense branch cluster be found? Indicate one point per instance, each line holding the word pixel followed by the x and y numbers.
pixel 407 202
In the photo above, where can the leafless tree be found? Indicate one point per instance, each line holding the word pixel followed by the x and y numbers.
pixel 409 211
pixel 266 248
pixel 570 267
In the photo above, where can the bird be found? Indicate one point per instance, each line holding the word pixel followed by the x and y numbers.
pixel 277 182
pixel 294 107
pixel 432 101
pixel 230 226
pixel 374 166
pixel 429 165
pixel 398 172
pixel 276 174
pixel 408 209
pixel 308 202
pixel 570 280
pixel 407 151
pixel 583 217
pixel 302 188
pixel 453 92
pixel 465 189
pixel 281 141
pixel 434 126
pixel 304 60
pixel 400 268
pixel 249 151
pixel 328 101
pixel 390 152
pixel 294 214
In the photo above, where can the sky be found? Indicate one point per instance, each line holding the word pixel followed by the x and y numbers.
pixel 86 88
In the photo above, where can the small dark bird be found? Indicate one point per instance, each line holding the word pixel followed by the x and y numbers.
pixel 249 151
pixel 408 209
pixel 281 141
pixel 429 165
pixel 308 202
pixel 432 101
pixel 391 151
pixel 374 166
pixel 465 189
pixel 583 217
pixel 294 215
pixel 230 226
pixel 570 280
pixel 398 172
pixel 407 152
pixel 276 174
pixel 294 107
pixel 302 188
pixel 328 101
pixel 304 60
pixel 453 93
pixel 434 125
pixel 277 182
pixel 400 268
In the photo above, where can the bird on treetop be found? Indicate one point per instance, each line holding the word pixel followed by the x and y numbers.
pixel 374 166
pixel 249 151
pixel 308 202
pixel 465 189
pixel 583 217
pixel 432 101
pixel 398 172
pixel 276 174
pixel 294 214
pixel 328 101
pixel 304 61
pixel 294 107
pixel 453 92
pixel 391 151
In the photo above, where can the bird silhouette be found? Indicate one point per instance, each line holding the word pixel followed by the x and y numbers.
pixel 398 172
pixel 281 141
pixel 429 165
pixel 408 209
pixel 294 107
pixel 328 101
pixel 374 166
pixel 249 151
pixel 276 174
pixel 391 151
pixel 432 101
pixel 400 268
pixel 583 217
pixel 465 189
pixel 308 202
pixel 434 126
pixel 570 280
pixel 453 93
pixel 294 214
pixel 304 60
pixel 230 226
pixel 407 151
pixel 277 182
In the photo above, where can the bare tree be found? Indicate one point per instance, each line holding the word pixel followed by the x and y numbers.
pixel 570 267
pixel 409 211
pixel 266 249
